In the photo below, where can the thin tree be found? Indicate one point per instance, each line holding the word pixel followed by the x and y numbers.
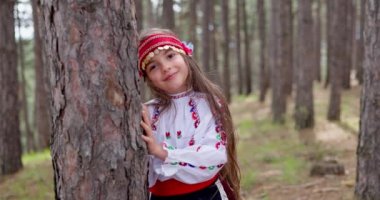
pixel 264 71
pixel 286 34
pixel 97 151
pixel 239 67
pixel 139 15
pixel 193 25
pixel 304 111
pixel 367 172
pixel 337 34
pixel 30 141
pixel 226 50
pixel 248 57
pixel 277 70
pixel 317 41
pixel 350 25
pixel 10 144
pixel 41 107
pixel 206 48
pixel 360 44
pixel 168 20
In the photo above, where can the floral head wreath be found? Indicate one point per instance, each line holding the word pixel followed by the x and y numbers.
pixel 154 43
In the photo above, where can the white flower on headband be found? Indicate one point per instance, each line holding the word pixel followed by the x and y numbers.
pixel 189 45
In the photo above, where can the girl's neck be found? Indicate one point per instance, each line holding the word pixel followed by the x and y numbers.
pixel 181 94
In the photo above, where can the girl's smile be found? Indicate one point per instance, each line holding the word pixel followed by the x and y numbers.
pixel 168 71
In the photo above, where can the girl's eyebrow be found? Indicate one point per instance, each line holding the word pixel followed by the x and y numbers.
pixel 165 51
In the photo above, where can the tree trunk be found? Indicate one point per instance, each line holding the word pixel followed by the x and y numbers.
pixel 193 26
pixel 264 71
pixel 368 173
pixel 329 33
pixel 97 150
pixel 10 144
pixel 317 42
pixel 41 114
pixel 338 36
pixel 286 21
pixel 214 75
pixel 276 63
pixel 360 45
pixel 139 15
pixel 239 67
pixel 206 48
pixel 350 24
pixel 226 51
pixel 248 57
pixel 168 19
pixel 304 112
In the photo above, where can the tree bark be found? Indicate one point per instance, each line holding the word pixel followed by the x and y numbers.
pixel 226 50
pixel 168 19
pixel 276 63
pixel 286 21
pixel 264 71
pixel 97 150
pixel 338 36
pixel 10 144
pixel 350 24
pixel 304 111
pixel 368 173
pixel 317 41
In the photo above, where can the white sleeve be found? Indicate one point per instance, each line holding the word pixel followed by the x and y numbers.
pixel 202 160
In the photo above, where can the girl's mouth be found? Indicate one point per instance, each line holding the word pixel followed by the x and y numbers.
pixel 170 77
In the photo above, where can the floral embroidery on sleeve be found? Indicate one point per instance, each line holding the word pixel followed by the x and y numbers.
pixel 156 113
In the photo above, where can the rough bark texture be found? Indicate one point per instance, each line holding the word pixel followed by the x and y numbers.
pixel 41 114
pixel 206 48
pixel 239 67
pixel 337 34
pixel 368 173
pixel 304 111
pixel 168 15
pixel 248 56
pixel 226 50
pixel 10 145
pixel 276 63
pixel 97 150
pixel 263 67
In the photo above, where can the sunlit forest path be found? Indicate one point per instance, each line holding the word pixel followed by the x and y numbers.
pixel 275 159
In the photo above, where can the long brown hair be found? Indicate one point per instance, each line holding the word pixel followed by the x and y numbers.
pixel 198 81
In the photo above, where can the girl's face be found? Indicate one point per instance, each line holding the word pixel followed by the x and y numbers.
pixel 168 71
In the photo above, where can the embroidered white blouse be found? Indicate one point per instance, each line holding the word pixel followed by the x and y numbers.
pixel 194 139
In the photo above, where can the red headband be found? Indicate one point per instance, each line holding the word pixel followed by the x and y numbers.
pixel 155 42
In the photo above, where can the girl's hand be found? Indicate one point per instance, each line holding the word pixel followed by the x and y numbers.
pixel 153 147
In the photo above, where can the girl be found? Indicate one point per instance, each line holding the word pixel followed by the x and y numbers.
pixel 188 127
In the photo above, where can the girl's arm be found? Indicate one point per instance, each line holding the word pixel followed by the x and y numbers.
pixel 153 147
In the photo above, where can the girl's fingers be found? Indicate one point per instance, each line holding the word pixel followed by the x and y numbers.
pixel 147 128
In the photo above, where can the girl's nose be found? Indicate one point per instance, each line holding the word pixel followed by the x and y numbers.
pixel 166 66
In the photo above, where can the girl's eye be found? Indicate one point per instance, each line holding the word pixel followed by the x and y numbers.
pixel 151 67
pixel 170 55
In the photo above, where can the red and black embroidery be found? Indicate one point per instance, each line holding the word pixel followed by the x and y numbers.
pixel 179 134
pixel 156 114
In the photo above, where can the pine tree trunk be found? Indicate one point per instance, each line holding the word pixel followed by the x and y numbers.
pixel 317 41
pixel 214 75
pixel 168 19
pixel 193 26
pixel 139 15
pixel 368 173
pixel 97 150
pixel 10 144
pixel 304 112
pixel 248 57
pixel 338 36
pixel 41 114
pixel 239 67
pixel 276 63
pixel 206 48
pixel 264 71
pixel 360 45
pixel 286 17
pixel 226 50
pixel 349 44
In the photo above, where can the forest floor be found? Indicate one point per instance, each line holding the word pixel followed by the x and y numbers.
pixel 275 159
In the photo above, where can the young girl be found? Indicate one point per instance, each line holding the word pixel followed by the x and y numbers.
pixel 188 126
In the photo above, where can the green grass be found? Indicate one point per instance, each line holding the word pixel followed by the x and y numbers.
pixel 33 182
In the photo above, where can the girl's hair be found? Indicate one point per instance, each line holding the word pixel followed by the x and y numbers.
pixel 218 104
